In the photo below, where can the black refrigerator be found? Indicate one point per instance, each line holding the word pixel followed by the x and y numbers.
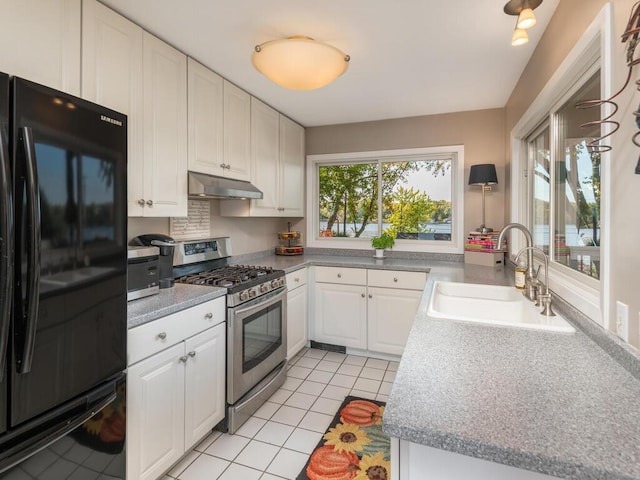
pixel 63 267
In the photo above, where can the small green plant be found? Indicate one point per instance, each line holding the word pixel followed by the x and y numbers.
pixel 383 241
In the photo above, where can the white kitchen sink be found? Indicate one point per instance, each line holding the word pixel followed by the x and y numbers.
pixel 490 304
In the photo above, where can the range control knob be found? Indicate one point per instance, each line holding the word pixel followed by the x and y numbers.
pixel 243 295
pixel 252 292
pixel 281 281
pixel 264 287
pixel 274 283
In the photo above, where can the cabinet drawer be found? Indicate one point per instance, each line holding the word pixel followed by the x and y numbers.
pixel 396 279
pixel 297 278
pixel 155 336
pixel 347 276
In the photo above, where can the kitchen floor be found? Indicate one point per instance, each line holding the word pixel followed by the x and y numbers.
pixel 277 440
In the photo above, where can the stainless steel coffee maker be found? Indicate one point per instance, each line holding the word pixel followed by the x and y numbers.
pixel 166 244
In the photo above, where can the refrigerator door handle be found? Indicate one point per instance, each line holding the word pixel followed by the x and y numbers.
pixel 6 252
pixel 33 251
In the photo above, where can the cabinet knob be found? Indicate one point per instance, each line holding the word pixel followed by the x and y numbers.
pixel 183 359
pixel 339 275
pixel 150 203
pixel 296 279
pixel 395 279
pixel 222 165
pixel 141 202
pixel 208 315
pixel 192 354
pixel 162 335
pixel 362 295
pixel 370 296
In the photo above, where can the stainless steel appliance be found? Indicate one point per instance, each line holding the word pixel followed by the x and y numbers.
pixel 256 322
pixel 166 245
pixel 142 272
pixel 63 265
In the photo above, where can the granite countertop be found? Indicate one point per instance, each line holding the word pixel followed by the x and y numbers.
pixel 168 301
pixel 553 403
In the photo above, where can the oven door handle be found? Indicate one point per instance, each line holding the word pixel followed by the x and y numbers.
pixel 265 303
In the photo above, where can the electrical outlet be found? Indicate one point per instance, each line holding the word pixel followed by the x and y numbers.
pixel 622 321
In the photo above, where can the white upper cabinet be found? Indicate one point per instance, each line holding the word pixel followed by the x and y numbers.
pixel 237 133
pixel 277 163
pixel 165 129
pixel 133 72
pixel 206 116
pixel 112 76
pixel 265 152
pixel 291 168
pixel 41 40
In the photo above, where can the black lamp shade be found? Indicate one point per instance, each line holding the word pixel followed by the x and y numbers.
pixel 483 174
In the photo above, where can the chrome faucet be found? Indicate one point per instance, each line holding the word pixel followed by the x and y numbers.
pixel 544 298
pixel 531 275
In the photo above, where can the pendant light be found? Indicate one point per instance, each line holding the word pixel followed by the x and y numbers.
pixel 523 9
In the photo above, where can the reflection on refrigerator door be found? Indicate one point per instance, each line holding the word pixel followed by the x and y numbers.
pixel 94 450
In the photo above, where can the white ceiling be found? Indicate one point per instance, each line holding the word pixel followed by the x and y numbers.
pixel 408 57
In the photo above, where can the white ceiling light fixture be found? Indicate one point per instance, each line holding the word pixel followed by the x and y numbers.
pixel 526 18
pixel 299 62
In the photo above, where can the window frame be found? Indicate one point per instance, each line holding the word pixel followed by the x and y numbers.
pixel 454 152
pixel 592 52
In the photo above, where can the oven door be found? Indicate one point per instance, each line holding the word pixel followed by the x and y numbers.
pixel 257 341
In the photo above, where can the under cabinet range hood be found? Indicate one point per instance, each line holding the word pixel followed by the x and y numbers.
pixel 210 186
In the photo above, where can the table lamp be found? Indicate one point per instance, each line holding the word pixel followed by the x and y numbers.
pixel 484 175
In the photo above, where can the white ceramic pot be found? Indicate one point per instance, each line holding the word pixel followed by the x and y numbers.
pixel 379 252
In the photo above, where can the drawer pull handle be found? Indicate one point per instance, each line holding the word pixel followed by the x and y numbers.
pixel 296 279
pixel 370 296
pixel 395 279
pixel 162 335
pixel 339 275
pixel 183 359
pixel 362 295
pixel 209 316
pixel 192 354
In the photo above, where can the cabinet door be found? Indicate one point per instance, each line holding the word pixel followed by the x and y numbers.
pixel 165 129
pixel 237 131
pixel 341 314
pixel 205 109
pixel 204 383
pixel 391 313
pixel 112 76
pixel 41 42
pixel 265 148
pixel 155 414
pixel 291 179
pixel 297 326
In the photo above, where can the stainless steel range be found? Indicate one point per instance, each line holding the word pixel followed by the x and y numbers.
pixel 256 322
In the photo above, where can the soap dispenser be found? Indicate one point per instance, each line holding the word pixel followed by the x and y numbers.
pixel 521 273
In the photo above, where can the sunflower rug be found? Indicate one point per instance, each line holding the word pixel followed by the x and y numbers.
pixel 354 447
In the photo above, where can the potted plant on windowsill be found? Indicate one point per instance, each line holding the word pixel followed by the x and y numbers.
pixel 381 243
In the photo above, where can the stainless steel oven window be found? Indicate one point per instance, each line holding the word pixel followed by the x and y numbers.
pixel 248 364
pixel 261 335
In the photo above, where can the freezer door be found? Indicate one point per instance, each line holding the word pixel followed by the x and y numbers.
pixel 69 168
pixel 6 244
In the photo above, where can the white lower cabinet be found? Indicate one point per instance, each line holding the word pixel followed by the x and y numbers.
pixel 419 462
pixel 176 393
pixel 366 309
pixel 297 318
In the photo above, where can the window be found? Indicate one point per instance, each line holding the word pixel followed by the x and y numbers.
pixel 566 179
pixel 561 178
pixel 411 194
